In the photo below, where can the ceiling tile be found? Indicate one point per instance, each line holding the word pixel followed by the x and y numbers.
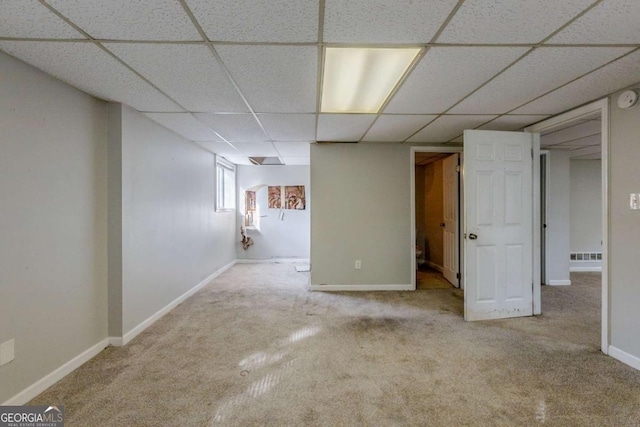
pixel 396 128
pixel 511 123
pixel 447 127
pixel 510 21
pixel 89 68
pixel 274 79
pixel 573 133
pixel 190 74
pixel 234 127
pixel 588 141
pixel 293 149
pixel 290 127
pixel 221 148
pixel 30 19
pixel 262 20
pixel 343 127
pixel 129 20
pixel 593 156
pixel 256 149
pixel 541 71
pixel 186 125
pixel 296 161
pixel 384 21
pixel 239 160
pixel 585 151
pixel 609 22
pixel 447 74
pixel 600 83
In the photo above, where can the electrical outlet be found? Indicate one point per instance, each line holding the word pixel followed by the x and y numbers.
pixel 7 352
pixel 634 201
pixel 358 264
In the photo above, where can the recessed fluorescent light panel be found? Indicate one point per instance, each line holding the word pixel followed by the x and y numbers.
pixel 359 80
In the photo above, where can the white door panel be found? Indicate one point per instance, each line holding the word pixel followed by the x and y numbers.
pixel 498 224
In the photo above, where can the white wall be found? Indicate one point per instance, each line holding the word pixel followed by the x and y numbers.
pixel 361 210
pixel 287 238
pixel 558 218
pixel 53 223
pixel 172 238
pixel 586 210
pixel 624 232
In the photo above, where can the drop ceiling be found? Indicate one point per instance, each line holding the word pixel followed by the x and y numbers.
pixel 243 78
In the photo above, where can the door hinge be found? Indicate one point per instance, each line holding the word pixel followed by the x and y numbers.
pixel 457 168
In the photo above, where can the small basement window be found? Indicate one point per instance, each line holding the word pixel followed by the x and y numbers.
pixel 225 185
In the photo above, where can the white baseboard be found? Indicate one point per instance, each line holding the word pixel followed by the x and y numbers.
pixel 434 266
pixel 50 379
pixel 584 269
pixel 117 341
pixel 559 282
pixel 272 260
pixel 624 357
pixel 333 288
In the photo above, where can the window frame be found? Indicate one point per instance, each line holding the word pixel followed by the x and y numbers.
pixel 223 167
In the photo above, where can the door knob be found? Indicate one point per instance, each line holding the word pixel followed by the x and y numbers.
pixel 473 236
pixel 442 224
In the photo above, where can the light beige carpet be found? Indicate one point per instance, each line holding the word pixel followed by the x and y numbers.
pixel 256 348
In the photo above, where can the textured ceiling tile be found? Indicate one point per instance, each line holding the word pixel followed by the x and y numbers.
pixel 234 127
pixel 609 22
pixel 256 149
pixel 609 79
pixel 294 149
pixel 510 21
pixel 290 127
pixel 274 79
pixel 89 68
pixel 221 148
pixel 573 133
pixel 447 127
pixel 184 124
pixel 446 75
pixel 296 161
pixel 262 20
pixel 384 21
pixel 587 141
pixel 392 128
pixel 129 20
pixel 343 127
pixel 190 74
pixel 541 71
pixel 29 18
pixel 511 123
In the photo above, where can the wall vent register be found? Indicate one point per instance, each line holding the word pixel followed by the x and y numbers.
pixel 586 256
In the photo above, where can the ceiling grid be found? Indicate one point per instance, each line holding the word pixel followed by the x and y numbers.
pixel 254 89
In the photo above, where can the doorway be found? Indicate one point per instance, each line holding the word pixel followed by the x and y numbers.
pixel 591 124
pixel 436 217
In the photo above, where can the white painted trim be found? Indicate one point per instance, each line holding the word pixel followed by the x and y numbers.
pixel 173 304
pixel 434 266
pixel 412 207
pixel 559 282
pixel 535 231
pixel 603 107
pixel 333 288
pixel 116 341
pixel 273 260
pixel 53 377
pixel 584 269
pixel 624 357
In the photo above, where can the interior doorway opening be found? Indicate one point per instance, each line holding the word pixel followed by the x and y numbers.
pixel 436 217
pixel 574 201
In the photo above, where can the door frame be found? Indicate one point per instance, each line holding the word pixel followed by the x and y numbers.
pixel 544 277
pixel 601 106
pixel 412 199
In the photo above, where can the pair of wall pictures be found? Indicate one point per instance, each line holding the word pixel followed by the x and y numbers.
pixel 287 197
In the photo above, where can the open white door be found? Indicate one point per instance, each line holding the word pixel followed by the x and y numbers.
pixel 498 244
pixel 450 225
